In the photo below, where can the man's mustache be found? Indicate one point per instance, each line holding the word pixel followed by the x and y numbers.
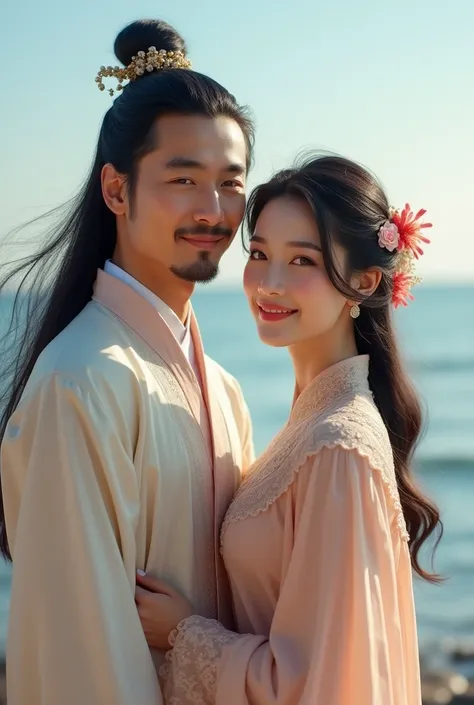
pixel 217 231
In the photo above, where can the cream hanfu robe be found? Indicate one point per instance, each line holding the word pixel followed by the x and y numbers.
pixel 316 550
pixel 115 459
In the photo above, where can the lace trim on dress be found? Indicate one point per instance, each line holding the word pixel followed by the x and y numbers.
pixel 190 672
pixel 351 422
pixel 346 378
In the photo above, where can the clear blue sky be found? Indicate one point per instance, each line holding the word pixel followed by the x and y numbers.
pixel 390 84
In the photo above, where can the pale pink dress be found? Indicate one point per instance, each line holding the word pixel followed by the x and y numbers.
pixel 316 548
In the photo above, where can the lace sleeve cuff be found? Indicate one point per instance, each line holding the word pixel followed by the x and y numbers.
pixel 190 672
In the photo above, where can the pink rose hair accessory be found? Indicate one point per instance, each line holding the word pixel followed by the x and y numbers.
pixel 402 233
pixel 389 236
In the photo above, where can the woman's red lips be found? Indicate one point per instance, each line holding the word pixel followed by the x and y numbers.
pixel 274 312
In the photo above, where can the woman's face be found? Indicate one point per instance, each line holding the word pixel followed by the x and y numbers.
pixel 288 289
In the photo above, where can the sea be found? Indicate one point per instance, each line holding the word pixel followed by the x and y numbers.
pixel 436 334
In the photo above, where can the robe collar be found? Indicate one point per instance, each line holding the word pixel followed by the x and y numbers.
pixel 346 378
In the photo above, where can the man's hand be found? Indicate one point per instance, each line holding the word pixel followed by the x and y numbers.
pixel 160 609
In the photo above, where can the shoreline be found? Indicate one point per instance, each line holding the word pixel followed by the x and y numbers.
pixel 447 672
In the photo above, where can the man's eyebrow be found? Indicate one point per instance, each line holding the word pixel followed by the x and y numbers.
pixel 188 163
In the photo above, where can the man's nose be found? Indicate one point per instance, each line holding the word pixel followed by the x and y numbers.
pixel 210 210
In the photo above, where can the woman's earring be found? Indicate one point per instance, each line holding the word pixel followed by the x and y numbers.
pixel 354 311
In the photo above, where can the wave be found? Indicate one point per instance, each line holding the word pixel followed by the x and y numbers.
pixel 443 364
pixel 442 464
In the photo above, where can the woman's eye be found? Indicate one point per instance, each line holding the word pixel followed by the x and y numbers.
pixel 183 181
pixel 303 261
pixel 256 254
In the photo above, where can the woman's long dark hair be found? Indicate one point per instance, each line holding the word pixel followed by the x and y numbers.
pixel 57 281
pixel 349 206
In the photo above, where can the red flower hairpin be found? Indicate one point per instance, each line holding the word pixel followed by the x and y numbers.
pixel 402 232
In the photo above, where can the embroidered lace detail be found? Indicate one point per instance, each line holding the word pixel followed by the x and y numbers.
pixel 346 377
pixel 190 672
pixel 350 421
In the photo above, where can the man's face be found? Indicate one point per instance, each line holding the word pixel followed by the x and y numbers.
pixel 189 198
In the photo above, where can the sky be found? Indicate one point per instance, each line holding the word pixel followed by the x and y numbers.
pixel 389 84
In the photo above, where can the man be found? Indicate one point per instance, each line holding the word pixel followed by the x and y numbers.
pixel 122 442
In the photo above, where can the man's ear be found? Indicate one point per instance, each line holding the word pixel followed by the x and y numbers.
pixel 114 190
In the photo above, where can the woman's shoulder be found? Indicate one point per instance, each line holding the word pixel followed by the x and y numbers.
pixel 353 426
pixel 356 425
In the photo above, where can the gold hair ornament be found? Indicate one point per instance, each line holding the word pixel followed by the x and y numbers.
pixel 152 60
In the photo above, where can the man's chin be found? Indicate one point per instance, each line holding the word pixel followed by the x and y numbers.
pixel 203 271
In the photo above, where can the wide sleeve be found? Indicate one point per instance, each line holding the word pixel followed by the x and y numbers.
pixel 71 500
pixel 337 635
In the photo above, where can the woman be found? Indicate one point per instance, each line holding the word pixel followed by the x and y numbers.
pixel 321 538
